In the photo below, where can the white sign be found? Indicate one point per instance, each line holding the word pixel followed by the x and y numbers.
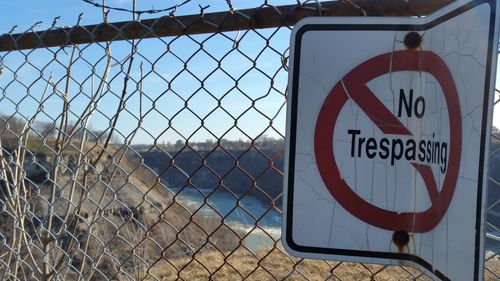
pixel 387 132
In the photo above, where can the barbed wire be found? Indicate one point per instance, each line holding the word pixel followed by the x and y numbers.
pixel 137 12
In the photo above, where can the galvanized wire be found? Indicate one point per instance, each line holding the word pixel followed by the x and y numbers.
pixel 114 152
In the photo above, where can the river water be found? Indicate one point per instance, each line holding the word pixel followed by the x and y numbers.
pixel 242 215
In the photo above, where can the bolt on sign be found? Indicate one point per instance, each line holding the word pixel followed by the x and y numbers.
pixel 388 127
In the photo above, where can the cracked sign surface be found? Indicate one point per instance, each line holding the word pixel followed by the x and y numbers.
pixel 386 143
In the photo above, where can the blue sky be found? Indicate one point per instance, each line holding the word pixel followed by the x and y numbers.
pixel 160 103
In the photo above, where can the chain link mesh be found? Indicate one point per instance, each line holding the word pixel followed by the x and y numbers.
pixel 159 158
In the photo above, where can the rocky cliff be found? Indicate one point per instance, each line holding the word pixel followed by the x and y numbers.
pixel 247 171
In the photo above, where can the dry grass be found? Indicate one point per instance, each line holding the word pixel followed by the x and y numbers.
pixel 271 265
pixel 277 265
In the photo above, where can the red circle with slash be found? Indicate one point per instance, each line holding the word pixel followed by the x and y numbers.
pixel 355 84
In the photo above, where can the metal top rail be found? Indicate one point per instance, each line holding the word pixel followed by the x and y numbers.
pixel 256 18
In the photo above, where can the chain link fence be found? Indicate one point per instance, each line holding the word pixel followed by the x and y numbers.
pixel 153 150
